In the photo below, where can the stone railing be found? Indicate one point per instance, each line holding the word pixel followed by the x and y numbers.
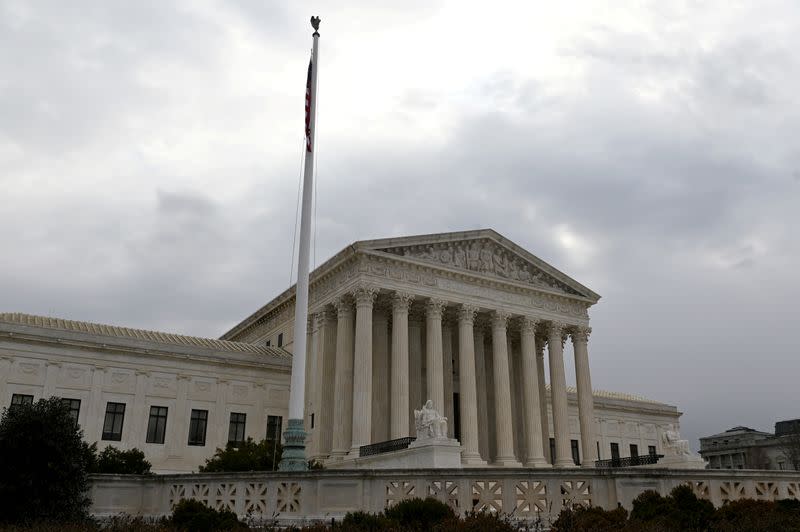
pixel 523 494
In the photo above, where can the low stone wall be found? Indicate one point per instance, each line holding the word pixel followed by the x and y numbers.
pixel 520 493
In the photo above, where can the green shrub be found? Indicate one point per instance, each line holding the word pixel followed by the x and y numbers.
pixel 477 522
pixel 747 515
pixel 246 456
pixel 43 471
pixel 649 506
pixel 593 518
pixel 365 522
pixel 419 514
pixel 115 461
pixel 194 516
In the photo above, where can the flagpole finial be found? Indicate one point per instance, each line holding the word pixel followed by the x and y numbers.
pixel 315 23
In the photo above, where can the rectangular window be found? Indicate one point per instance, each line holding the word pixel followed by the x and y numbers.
pixel 615 451
pixel 552 450
pixel 634 450
pixel 269 343
pixel 112 426
pixel 280 339
pixel 576 456
pixel 651 450
pixel 74 406
pixel 157 424
pixel 312 420
pixel 274 428
pixel 598 451
pixel 197 427
pixel 19 399
pixel 236 428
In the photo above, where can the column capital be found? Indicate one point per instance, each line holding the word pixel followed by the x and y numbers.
pixel 528 325
pixel 580 334
pixel 434 307
pixel 401 301
pixel 556 330
pixel 466 314
pixel 344 306
pixel 500 319
pixel 365 295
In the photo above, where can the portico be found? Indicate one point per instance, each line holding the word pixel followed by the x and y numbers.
pixel 463 319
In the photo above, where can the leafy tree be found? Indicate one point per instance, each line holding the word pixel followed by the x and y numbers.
pixel 115 461
pixel 43 464
pixel 195 516
pixel 419 514
pixel 246 456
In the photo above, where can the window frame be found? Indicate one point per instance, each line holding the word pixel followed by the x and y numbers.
pixel 279 424
pixel 633 447
pixel 112 434
pixel 576 451
pixel 20 399
pixel 280 339
pixel 237 426
pixel 198 419
pixel 157 420
pixel 73 412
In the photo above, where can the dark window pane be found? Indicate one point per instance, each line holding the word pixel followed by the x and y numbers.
pixel 197 427
pixel 576 456
pixel 634 450
pixel 236 428
pixel 552 450
pixel 19 399
pixel 157 424
pixel 74 406
pixel 615 451
pixel 651 450
pixel 280 340
pixel 112 425
pixel 274 428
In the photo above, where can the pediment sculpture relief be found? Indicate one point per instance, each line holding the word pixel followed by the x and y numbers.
pixel 483 256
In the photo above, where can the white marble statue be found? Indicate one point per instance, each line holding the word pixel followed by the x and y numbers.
pixel 429 423
pixel 672 440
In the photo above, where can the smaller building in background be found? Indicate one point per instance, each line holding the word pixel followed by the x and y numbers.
pixel 746 448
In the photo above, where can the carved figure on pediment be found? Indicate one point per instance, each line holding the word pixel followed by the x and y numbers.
pixel 486 259
pixel 500 264
pixel 460 257
pixel 474 257
pixel 429 423
pixel 446 255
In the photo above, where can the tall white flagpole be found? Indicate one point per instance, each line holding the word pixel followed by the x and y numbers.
pixel 294 450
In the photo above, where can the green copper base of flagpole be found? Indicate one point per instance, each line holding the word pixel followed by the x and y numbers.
pixel 293 457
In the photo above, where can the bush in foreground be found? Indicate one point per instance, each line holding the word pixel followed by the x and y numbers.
pixel 197 517
pixel 115 461
pixel 246 456
pixel 43 470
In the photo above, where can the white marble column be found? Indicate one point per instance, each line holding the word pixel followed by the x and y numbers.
pixel 580 339
pixel 468 387
pixel 533 421
pixel 513 377
pixel 325 381
pixel 380 376
pixel 481 383
pixel 433 352
pixel 400 366
pixel 558 395
pixel 541 341
pixel 310 389
pixel 502 392
pixel 343 380
pixel 447 360
pixel 362 369
pixel 415 370
pixel 491 421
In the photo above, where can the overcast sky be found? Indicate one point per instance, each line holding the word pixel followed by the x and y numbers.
pixel 150 154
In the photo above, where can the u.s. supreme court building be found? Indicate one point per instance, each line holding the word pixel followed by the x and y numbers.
pixel 469 320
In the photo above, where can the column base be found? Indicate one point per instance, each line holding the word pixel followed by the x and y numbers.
pixel 587 465
pixel 537 463
pixel 509 461
pixel 565 464
pixel 293 457
pixel 472 460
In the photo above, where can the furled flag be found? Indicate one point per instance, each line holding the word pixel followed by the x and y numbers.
pixel 308 108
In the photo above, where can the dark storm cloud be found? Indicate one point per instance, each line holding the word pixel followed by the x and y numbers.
pixel 665 177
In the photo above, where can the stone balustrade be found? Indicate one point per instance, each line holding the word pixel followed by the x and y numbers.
pixel 523 494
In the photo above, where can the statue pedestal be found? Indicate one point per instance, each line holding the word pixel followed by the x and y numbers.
pixel 683 461
pixel 431 453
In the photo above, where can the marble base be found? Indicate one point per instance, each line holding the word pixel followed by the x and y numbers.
pixel 421 454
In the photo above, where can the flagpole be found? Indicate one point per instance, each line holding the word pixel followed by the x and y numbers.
pixel 293 457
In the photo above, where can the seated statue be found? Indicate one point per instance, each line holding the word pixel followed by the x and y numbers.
pixel 672 440
pixel 429 423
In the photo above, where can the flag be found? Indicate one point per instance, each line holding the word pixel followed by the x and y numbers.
pixel 308 108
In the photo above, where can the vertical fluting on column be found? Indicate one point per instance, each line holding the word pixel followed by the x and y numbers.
pixel 468 387
pixel 447 360
pixel 380 376
pixel 513 374
pixel 580 340
pixel 400 366
pixel 502 391
pixel 481 383
pixel 541 341
pixel 343 380
pixel 415 370
pixel 531 397
pixel 558 395
pixel 435 369
pixel 362 369
pixel 491 421
pixel 325 381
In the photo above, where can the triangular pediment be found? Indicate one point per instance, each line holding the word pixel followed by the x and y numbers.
pixel 482 252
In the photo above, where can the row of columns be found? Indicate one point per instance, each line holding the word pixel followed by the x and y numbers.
pixel 351 398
